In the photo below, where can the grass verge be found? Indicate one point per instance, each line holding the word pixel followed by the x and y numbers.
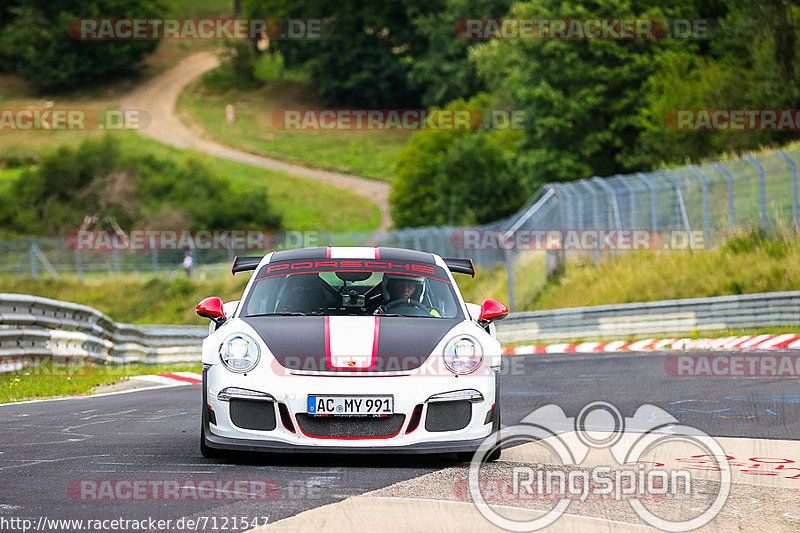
pixel 53 381
pixel 371 154
pixel 747 263
pixel 304 203
pixel 135 301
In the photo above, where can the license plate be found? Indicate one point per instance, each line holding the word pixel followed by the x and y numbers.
pixel 350 405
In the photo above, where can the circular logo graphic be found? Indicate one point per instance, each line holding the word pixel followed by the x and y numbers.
pixel 600 425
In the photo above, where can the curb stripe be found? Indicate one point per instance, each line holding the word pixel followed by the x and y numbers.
pixel 187 379
pixel 773 342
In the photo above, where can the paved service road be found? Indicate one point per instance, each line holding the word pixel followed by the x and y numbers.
pixel 159 96
pixel 47 448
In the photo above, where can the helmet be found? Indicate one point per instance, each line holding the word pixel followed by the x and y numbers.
pixel 390 282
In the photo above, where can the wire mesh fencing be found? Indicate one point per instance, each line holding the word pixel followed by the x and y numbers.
pixel 692 207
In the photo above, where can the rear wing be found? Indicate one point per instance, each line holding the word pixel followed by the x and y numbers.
pixel 241 264
pixel 461 266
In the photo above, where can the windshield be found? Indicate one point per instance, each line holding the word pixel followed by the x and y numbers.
pixel 352 287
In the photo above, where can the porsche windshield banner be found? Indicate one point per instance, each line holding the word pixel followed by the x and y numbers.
pixel 352 265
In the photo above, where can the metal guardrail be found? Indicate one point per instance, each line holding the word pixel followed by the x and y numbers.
pixel 32 327
pixel 667 317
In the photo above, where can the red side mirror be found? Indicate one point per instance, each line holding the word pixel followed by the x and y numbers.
pixel 492 310
pixel 211 308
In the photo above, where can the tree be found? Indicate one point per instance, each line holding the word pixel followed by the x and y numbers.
pixel 748 64
pixel 365 59
pixel 457 177
pixel 98 179
pixel 35 44
pixel 442 68
pixel 580 96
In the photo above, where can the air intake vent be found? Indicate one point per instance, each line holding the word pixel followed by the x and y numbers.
pixel 253 414
pixel 415 418
pixel 351 427
pixel 448 416
pixel 286 420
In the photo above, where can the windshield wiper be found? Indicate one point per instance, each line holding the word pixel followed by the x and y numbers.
pixel 284 313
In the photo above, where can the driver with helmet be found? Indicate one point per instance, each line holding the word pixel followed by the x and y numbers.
pixel 399 290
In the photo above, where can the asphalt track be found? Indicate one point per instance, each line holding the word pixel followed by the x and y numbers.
pixel 153 435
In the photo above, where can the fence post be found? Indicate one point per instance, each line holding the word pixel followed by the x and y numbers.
pixel 567 216
pixel 704 182
pixel 78 263
pixel 681 207
pixel 763 185
pixel 518 223
pixel 653 200
pixel 509 260
pixel 555 260
pixel 631 199
pixel 595 216
pixel 612 197
pixel 731 219
pixel 793 166
pixel 154 254
pixel 32 256
pixel 417 243
pixel 115 259
pixel 577 221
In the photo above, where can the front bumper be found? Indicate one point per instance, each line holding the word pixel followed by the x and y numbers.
pixel 409 393
pixel 250 445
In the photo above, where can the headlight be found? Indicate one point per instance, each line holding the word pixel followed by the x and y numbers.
pixel 463 354
pixel 239 353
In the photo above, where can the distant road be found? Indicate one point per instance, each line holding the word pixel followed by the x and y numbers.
pixel 159 96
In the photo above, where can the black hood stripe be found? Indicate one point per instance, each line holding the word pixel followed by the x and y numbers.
pixel 300 342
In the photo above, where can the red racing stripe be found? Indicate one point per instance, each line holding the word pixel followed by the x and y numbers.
pixel 170 375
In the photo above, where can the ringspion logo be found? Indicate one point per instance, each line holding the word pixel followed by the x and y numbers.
pixel 636 478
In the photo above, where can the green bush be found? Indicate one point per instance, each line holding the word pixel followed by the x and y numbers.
pixel 457 177
pixel 237 71
pixel 97 179
pixel 36 45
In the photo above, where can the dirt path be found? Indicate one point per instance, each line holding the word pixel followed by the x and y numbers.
pixel 159 96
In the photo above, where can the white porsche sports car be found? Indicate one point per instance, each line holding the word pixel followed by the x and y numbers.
pixel 350 349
